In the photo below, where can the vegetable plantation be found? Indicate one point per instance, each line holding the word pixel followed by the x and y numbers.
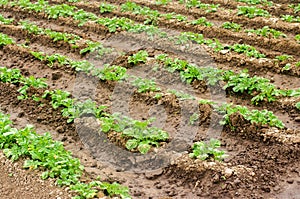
pixel 150 99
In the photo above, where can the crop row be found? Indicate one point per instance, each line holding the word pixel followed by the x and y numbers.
pixel 113 24
pixel 188 72
pixel 152 17
pixel 280 62
pixel 252 10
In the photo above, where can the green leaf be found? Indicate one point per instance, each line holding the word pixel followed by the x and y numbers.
pixel 132 144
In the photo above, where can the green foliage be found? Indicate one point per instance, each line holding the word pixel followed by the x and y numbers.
pixel 145 85
pixel 26 4
pixel 162 2
pixel 202 21
pixel 95 46
pixel 298 105
pixel 5 40
pixel 4 2
pixel 139 57
pixel 30 82
pixel 194 118
pixel 254 116
pixel 207 150
pixel 297 38
pixel 116 23
pixel 10 75
pixel 79 109
pixel 115 189
pixel 260 87
pixel 90 190
pixel 283 57
pixel 252 11
pixel 189 72
pixel 257 2
pixel 55 36
pixel 232 26
pixel 290 18
pixel 112 73
pixel 106 8
pixel 59 98
pixel 204 101
pixel 250 51
pixel 140 136
pixel 181 95
pixel 5 21
pixel 41 151
pixel 267 32
pixel 61 10
pixel 295 7
pixel 197 4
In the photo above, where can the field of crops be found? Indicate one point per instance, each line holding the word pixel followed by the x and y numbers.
pixel 150 99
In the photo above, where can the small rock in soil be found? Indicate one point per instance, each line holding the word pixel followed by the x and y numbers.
pixel 56 75
pixel 266 189
pixel 290 181
pixel 153 174
pixel 59 129
pixel 297 119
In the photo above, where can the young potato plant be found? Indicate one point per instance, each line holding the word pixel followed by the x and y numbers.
pixel 31 82
pixel 5 21
pixel 250 51
pixel 95 46
pixel 139 57
pixel 5 40
pixel 111 73
pixel 252 11
pixel 208 150
pixel 8 75
pixel 162 2
pixel 106 8
pixel 145 85
pixel 254 116
pixel 267 32
pixel 202 21
pixel 232 26
pixel 140 136
pixel 181 95
pixel 197 4
pixel 284 57
pixel 257 2
pixel 290 18
pixel 297 38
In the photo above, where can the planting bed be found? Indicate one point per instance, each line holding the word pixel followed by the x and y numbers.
pixel 94 73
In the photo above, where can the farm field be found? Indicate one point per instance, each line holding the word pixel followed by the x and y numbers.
pixel 150 99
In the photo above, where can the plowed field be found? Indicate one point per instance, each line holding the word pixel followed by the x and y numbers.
pixel 131 87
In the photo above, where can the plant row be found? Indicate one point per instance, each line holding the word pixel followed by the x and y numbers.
pixel 41 151
pixel 72 39
pixel 260 88
pixel 152 17
pixel 126 24
pixel 188 72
